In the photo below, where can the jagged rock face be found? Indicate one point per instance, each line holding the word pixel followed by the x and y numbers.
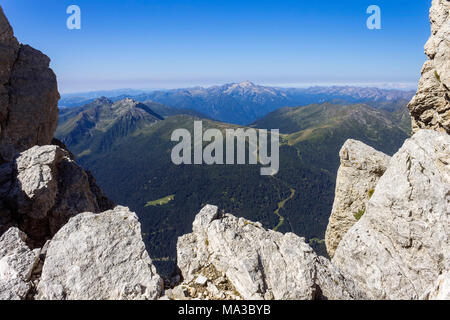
pixel 209 284
pixel 361 168
pixel 430 108
pixel 28 96
pixel 401 244
pixel 43 188
pixel 259 264
pixel 6 220
pixel 99 257
pixel 17 262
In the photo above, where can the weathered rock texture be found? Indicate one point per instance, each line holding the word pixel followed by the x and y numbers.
pixel 430 108
pixel 361 168
pixel 44 190
pixel 28 95
pixel 99 257
pixel 17 262
pixel 258 264
pixel 401 244
pixel 440 290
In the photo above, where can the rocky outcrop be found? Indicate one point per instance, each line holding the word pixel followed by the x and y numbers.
pixel 361 168
pixel 254 263
pixel 401 244
pixel 99 257
pixel 430 108
pixel 44 190
pixel 17 262
pixel 28 96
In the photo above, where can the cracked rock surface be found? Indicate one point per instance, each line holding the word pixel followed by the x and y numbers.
pixel 17 262
pixel 258 263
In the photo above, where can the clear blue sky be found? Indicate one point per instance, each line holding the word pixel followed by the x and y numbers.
pixel 168 43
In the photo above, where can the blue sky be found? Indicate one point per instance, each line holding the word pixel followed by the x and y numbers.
pixel 147 44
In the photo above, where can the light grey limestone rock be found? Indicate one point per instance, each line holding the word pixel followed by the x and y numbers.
pixel 17 262
pixel 401 244
pixel 430 108
pixel 258 263
pixel 99 257
pixel 361 168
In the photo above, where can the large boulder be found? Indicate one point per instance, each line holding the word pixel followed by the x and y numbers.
pixel 258 264
pixel 17 262
pixel 99 257
pixel 28 95
pixel 401 244
pixel 43 189
pixel 430 108
pixel 361 168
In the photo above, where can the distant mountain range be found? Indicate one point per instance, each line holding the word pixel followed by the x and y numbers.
pixel 126 144
pixel 243 103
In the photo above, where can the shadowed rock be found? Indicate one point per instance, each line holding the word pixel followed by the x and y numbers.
pixel 17 262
